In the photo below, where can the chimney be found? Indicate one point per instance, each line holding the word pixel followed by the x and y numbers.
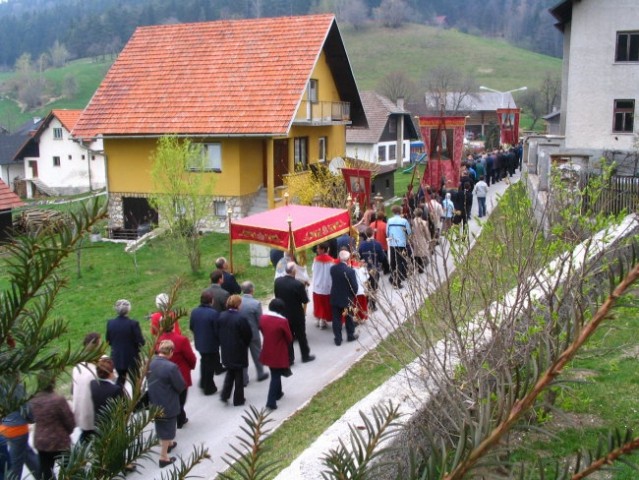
pixel 400 103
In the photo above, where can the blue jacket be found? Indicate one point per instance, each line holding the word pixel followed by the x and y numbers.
pixel 125 338
pixel 203 324
pixel 372 253
pixel 344 286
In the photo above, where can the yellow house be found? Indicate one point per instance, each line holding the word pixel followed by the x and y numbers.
pixel 266 97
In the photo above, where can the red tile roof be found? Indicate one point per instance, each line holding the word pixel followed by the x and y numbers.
pixel 230 77
pixel 8 199
pixel 68 118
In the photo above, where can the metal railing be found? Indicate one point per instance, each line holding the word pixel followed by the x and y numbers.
pixel 323 113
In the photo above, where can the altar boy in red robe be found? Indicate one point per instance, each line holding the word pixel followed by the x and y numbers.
pixel 322 285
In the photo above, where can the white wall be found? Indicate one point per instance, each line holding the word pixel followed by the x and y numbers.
pixel 9 172
pixel 73 174
pixel 369 152
pixel 594 79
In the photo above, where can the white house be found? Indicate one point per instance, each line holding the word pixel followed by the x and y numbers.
pixel 11 143
pixel 59 165
pixel 600 78
pixel 378 143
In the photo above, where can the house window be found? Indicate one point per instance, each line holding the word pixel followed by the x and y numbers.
pixel 313 90
pixel 300 154
pixel 70 157
pixel 220 208
pixel 381 153
pixel 92 157
pixel 57 133
pixel 392 125
pixel 322 149
pixel 56 161
pixel 624 116
pixel 627 47
pixel 212 160
pixel 392 152
pixel 83 157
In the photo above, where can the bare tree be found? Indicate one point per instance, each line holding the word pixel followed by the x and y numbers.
pixel 59 54
pixel 392 13
pixel 451 88
pixel 542 100
pixel 487 348
pixel 396 85
pixel 355 12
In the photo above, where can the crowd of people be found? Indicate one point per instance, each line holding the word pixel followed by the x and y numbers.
pixel 229 324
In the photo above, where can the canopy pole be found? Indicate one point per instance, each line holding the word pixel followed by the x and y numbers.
pixel 228 216
pixel 291 243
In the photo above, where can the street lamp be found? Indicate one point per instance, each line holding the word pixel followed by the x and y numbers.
pixel 501 103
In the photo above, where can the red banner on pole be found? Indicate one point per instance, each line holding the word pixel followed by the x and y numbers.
pixel 358 185
pixel 508 125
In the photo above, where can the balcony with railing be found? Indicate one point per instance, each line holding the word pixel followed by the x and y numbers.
pixel 323 113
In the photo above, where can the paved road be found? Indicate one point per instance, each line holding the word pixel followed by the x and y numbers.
pixel 216 425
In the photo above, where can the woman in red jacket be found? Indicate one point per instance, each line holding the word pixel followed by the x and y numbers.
pixel 184 358
pixel 277 337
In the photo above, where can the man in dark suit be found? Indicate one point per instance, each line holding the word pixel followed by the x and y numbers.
pixel 293 293
pixel 228 281
pixel 343 291
pixel 220 296
pixel 371 252
pixel 125 338
pixel 203 323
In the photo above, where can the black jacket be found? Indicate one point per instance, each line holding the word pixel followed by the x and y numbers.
pixel 235 336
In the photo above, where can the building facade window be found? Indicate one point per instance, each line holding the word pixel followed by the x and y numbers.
pixel 627 47
pixel 322 147
pixel 220 208
pixel 313 90
pixel 624 116
pixel 300 153
pixel 381 153
pixel 392 152
pixel 70 157
pixel 212 159
pixel 57 133
pixel 56 161
pixel 83 157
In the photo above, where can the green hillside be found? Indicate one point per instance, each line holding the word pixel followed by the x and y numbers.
pixel 416 49
pixel 374 52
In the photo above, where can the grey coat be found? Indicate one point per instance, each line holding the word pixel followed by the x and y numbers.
pixel 165 385
pixel 252 310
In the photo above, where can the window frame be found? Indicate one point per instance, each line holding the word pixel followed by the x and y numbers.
pixel 220 208
pixel 300 154
pixel 313 90
pixel 392 152
pixel 620 116
pixel 381 153
pixel 57 161
pixel 630 49
pixel 322 148
pixel 57 133
pixel 213 164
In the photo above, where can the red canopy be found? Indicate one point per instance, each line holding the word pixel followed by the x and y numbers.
pixel 308 226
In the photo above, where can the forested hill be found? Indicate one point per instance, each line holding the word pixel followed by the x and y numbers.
pixel 95 27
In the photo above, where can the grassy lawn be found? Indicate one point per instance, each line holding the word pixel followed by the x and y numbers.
pixel 601 396
pixel 108 273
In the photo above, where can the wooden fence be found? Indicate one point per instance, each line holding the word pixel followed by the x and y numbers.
pixel 621 194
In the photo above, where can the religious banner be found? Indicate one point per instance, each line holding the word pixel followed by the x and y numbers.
pixel 444 138
pixel 508 125
pixel 358 185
